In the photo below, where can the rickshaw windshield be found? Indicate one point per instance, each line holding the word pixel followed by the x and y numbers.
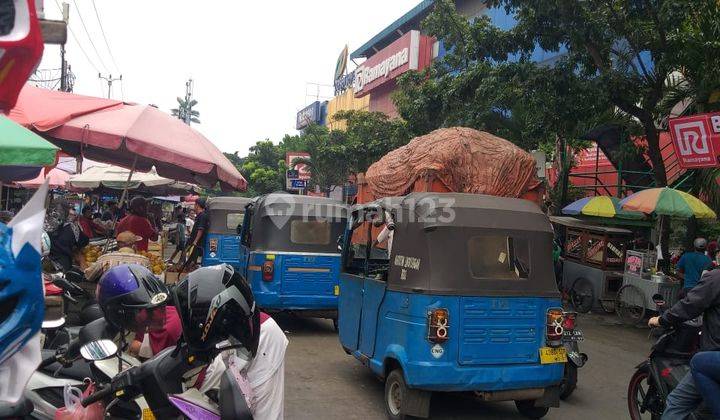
pixel 498 257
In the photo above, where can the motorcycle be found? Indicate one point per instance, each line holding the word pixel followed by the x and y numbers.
pixel 66 366
pixel 160 381
pixel 576 359
pixel 60 293
pixel 667 364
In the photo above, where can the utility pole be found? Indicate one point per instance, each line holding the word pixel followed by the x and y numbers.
pixel 109 81
pixel 63 63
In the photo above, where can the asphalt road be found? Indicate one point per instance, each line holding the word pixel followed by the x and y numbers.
pixel 322 382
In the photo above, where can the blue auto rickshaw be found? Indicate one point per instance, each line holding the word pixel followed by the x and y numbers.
pixel 464 300
pixel 222 241
pixel 290 245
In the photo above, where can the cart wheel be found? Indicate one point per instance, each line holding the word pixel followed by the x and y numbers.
pixel 630 304
pixel 582 295
pixel 608 305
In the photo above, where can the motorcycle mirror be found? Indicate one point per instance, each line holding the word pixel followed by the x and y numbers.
pixel 99 350
pixel 658 299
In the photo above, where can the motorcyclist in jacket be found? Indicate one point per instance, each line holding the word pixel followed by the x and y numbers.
pixel 703 299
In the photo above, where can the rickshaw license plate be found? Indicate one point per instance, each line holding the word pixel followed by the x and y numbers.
pixel 552 355
pixel 147 414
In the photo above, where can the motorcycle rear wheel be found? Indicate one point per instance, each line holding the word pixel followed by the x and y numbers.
pixel 644 401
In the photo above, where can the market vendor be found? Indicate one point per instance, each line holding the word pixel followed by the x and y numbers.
pixel 90 227
pixel 199 229
pixel 138 223
pixel 112 212
pixel 692 264
pixel 126 242
pixel 67 239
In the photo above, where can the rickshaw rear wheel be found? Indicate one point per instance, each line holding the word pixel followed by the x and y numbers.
pixel 395 391
pixel 527 408
pixel 569 381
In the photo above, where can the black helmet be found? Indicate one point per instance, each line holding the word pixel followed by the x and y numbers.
pixel 128 295
pixel 215 303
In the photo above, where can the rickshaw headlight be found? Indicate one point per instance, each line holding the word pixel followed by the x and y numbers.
pixel 438 326
pixel 555 329
pixel 268 270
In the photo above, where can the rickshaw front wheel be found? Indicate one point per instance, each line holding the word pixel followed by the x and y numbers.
pixel 527 408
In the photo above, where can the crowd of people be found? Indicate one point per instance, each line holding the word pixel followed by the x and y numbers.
pixel 70 231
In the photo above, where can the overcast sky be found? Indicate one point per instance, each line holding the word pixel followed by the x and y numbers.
pixel 250 60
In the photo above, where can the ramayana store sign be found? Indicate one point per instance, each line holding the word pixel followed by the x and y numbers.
pixel 412 51
pixel 696 140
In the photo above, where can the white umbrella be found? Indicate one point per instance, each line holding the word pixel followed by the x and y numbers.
pixel 115 177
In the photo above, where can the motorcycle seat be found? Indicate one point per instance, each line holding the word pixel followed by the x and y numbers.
pixel 78 370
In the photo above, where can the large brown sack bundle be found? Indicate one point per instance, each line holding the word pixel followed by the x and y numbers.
pixel 463 159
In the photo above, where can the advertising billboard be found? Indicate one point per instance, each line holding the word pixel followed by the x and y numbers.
pixel 696 140
pixel 411 51
pixel 297 175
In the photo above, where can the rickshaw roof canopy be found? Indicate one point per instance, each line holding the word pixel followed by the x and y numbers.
pixel 428 209
pixel 287 205
pixel 228 203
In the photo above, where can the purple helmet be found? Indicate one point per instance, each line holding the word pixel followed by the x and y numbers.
pixel 126 293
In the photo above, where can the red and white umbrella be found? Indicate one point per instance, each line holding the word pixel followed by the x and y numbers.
pixel 140 137
pixel 57 178
pixel 43 109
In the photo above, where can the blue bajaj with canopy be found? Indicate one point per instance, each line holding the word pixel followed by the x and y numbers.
pixel 463 300
pixel 222 241
pixel 290 245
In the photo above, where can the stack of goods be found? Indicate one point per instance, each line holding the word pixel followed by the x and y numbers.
pixel 91 253
pixel 157 265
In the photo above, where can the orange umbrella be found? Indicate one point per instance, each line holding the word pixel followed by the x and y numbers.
pixel 668 202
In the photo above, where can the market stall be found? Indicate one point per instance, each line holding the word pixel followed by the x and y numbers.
pixel 594 258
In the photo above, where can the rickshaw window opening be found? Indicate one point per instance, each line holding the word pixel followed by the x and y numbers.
pixel 233 220
pixel 498 257
pixel 313 232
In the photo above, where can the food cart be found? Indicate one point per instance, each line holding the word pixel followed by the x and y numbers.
pixel 640 283
pixel 593 261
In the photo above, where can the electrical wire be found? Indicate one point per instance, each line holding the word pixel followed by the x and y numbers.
pixel 77 41
pixel 82 21
pixel 107 44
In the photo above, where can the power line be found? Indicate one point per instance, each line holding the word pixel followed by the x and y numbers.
pixel 102 30
pixel 77 41
pixel 89 37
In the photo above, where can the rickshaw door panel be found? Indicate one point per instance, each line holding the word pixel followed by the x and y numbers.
pixel 244 257
pixel 350 310
pixel 373 293
pixel 500 330
pixel 309 275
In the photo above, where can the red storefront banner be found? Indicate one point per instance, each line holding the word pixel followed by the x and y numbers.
pixel 696 140
pixel 411 51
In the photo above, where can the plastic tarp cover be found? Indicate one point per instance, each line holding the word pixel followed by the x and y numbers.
pixel 464 159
